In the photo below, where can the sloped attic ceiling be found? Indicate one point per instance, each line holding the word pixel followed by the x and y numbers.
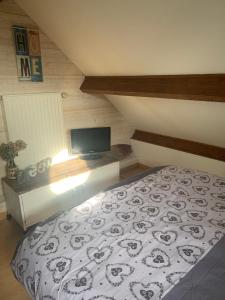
pixel 144 37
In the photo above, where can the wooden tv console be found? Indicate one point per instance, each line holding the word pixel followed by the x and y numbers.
pixel 68 184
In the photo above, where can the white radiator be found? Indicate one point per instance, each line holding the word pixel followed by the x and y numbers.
pixel 38 120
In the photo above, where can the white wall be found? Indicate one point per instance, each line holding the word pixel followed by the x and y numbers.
pixel 60 75
pixel 193 120
pixel 154 155
pixel 138 37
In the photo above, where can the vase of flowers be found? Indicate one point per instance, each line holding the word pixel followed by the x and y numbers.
pixel 8 152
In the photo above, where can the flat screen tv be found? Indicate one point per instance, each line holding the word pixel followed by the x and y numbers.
pixel 91 142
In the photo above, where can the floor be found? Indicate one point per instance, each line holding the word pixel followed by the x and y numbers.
pixel 10 289
pixel 132 170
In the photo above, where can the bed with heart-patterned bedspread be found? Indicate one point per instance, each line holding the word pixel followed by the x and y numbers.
pixel 135 241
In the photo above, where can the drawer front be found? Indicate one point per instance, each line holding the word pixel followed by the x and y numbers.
pixel 39 204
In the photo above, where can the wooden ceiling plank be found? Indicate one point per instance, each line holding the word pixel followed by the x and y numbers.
pixel 198 87
pixel 210 151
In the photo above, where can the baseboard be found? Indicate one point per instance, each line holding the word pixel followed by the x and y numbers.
pixel 2 211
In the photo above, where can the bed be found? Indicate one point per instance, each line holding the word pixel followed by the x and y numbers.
pixel 159 235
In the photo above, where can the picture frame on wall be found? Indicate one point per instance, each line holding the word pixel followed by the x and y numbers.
pixel 28 54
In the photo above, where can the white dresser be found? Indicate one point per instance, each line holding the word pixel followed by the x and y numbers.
pixel 68 184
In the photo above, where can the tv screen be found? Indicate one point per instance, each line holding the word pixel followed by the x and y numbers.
pixel 90 140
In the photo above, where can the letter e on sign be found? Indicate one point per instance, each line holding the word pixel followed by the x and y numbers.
pixel 36 68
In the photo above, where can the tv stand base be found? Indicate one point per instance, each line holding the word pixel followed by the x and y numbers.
pixel 91 156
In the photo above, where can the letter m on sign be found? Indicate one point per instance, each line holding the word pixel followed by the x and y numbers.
pixel 24 67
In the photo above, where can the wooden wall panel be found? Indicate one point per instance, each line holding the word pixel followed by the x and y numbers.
pixel 60 75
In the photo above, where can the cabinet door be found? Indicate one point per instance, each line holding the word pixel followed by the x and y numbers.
pixel 42 203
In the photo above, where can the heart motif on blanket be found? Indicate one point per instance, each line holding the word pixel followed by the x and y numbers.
pixel 201 190
pixel 178 205
pixel 21 268
pixel 190 253
pixel 149 179
pixel 135 201
pixel 96 222
pixel 196 231
pixel 157 197
pixel 82 281
pixel 35 237
pixel 157 259
pixel 114 230
pixel 174 277
pixel 84 209
pixel 171 217
pixel 151 211
pixel 50 246
pixel 117 273
pixel 125 217
pixel 167 177
pixel 152 290
pixel 180 192
pixel 196 215
pixel 163 186
pixel 218 223
pixel 219 182
pixel 119 195
pixel 142 226
pixel 59 267
pixel 32 283
pixel 166 237
pixel 217 237
pixel 132 246
pixel 99 255
pixel 219 234
pixel 172 169
pixel 67 227
pixel 218 196
pixel 203 178
pixel 199 201
pixel 187 171
pixel 184 181
pixel 219 207
pixel 108 207
pixel 77 241
pixel 144 190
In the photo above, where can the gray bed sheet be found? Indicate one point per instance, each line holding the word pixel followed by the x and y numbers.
pixel 206 280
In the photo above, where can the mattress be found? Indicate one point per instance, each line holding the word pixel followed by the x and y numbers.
pixel 156 236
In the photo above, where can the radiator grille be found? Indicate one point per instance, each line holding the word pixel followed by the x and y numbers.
pixel 38 120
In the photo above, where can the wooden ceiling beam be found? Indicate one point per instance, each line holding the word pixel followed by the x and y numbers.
pixel 201 149
pixel 199 87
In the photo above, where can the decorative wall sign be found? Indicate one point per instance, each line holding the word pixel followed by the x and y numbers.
pixel 28 53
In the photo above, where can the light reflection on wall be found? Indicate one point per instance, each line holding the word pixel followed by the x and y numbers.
pixel 62 156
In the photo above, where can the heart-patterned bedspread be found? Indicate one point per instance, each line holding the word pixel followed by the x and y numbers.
pixel 135 241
